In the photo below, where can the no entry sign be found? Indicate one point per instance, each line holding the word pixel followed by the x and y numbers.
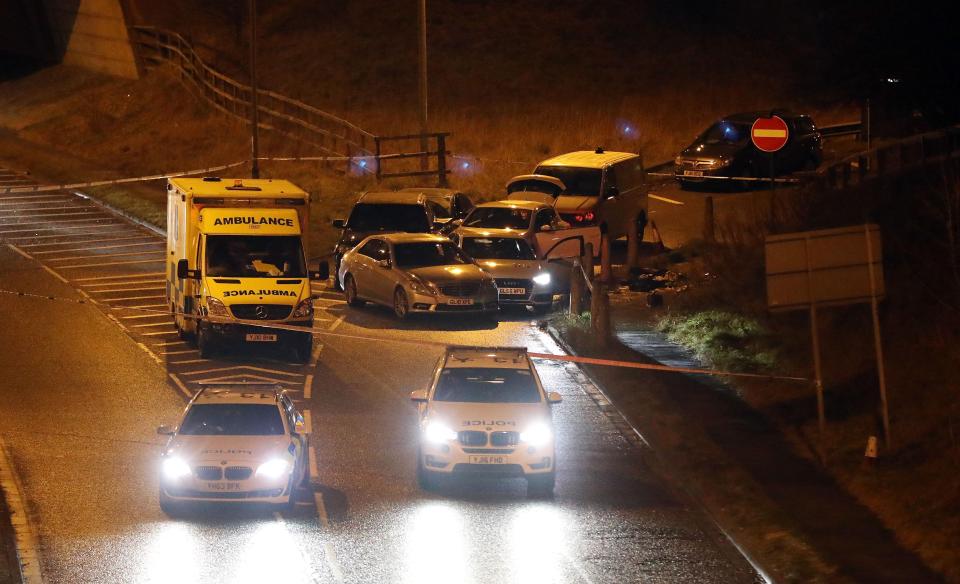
pixel 769 134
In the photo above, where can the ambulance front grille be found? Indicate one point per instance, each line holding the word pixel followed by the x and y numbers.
pixel 261 311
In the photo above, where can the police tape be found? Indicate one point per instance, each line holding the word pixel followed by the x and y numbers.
pixel 40 188
pixel 736 178
pixel 279 326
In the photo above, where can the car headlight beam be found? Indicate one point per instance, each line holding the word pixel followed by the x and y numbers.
pixel 175 468
pixel 542 279
pixel 537 434
pixel 438 433
pixel 273 469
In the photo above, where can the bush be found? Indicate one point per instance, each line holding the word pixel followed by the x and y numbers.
pixel 725 340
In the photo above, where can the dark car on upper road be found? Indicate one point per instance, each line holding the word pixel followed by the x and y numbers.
pixel 725 149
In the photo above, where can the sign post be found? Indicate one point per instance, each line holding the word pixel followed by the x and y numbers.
pixel 829 267
pixel 770 135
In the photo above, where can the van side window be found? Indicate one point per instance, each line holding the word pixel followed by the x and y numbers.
pixel 629 175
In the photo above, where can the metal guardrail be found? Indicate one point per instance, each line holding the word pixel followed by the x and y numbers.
pixel 277 112
pixel 912 153
pixel 331 134
pixel 845 129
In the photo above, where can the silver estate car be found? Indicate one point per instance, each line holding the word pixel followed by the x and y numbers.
pixel 416 272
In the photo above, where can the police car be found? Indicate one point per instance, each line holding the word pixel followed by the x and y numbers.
pixel 236 442
pixel 486 413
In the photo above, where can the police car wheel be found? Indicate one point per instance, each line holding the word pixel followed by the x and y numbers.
pixel 428 481
pixel 541 485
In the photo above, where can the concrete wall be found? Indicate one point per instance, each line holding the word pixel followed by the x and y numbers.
pixel 92 34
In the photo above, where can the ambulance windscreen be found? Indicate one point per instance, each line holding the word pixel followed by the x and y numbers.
pixel 255 256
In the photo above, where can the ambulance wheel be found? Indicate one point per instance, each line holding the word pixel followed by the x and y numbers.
pixel 541 485
pixel 302 347
pixel 204 342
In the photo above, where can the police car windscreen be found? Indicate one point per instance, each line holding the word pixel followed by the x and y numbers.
pixel 255 256
pixel 499 218
pixel 482 385
pixel 389 217
pixel 579 181
pixel 498 248
pixel 232 420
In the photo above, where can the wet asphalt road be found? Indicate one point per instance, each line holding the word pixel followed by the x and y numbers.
pixel 85 386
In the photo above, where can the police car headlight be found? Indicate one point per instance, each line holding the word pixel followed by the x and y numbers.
pixel 305 308
pixel 273 469
pixel 216 308
pixel 175 468
pixel 537 434
pixel 438 433
pixel 541 279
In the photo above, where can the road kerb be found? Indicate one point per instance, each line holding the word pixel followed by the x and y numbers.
pixel 25 538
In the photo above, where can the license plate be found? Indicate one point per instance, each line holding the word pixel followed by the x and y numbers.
pixel 513 291
pixel 220 486
pixel 693 173
pixel 488 460
pixel 460 301
pixel 259 338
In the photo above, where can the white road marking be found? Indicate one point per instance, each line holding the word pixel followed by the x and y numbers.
pixel 241 377
pixel 25 538
pixel 60 222
pixel 314 577
pixel 131 275
pixel 124 283
pixel 91 212
pixel 126 298
pixel 105 255
pixel 113 290
pixel 161 334
pixel 234 368
pixel 189 361
pixel 181 386
pixel 665 199
pixel 20 251
pixel 151 353
pixel 96 247
pixel 101 240
pixel 151 324
pixel 62 235
pixel 85 295
pixel 177 352
pixel 332 562
pixel 54 274
pixel 160 260
pixel 308 386
pixel 307 422
pixel 14 210
pixel 334 326
pixel 315 355
pixel 168 343
pixel 136 316
pixel 143 307
pixel 58 229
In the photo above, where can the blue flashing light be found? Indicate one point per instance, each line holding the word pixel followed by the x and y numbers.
pixel 362 163
pixel 465 165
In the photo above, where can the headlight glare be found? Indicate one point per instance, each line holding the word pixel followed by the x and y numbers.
pixel 541 279
pixel 537 434
pixel 438 433
pixel 216 308
pixel 175 468
pixel 272 469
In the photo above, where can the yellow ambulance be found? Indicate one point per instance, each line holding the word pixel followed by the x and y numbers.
pixel 235 262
